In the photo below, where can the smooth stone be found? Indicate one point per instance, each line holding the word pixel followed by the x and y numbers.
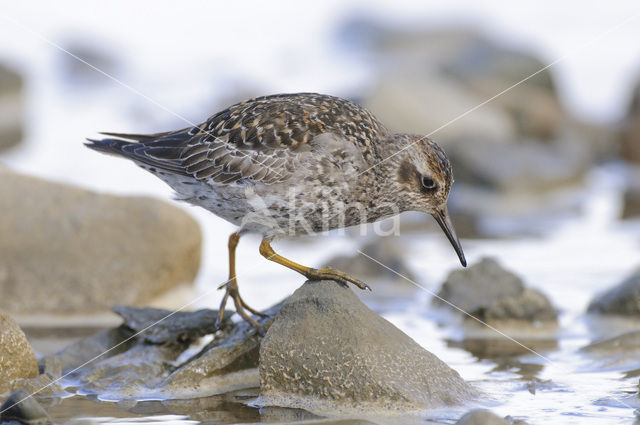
pixel 17 359
pixel 490 292
pixel 11 107
pixel 21 408
pixel 481 417
pixel 69 250
pixel 327 352
pixel 622 299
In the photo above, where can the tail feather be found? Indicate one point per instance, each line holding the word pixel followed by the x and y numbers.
pixel 152 153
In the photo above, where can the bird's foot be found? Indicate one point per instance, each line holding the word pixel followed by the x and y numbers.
pixel 336 275
pixel 231 290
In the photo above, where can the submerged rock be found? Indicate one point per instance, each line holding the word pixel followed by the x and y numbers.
pixel 69 250
pixel 326 351
pixel 22 408
pixel 620 352
pixel 489 292
pixel 481 417
pixel 623 299
pixel 17 359
pixel 11 108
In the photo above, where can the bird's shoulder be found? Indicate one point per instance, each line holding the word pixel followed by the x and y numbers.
pixel 289 121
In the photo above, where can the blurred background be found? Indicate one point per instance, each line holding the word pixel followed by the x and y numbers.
pixel 536 103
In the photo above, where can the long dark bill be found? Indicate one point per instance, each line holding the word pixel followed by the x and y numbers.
pixel 443 219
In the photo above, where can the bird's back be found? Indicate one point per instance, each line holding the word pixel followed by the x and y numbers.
pixel 261 139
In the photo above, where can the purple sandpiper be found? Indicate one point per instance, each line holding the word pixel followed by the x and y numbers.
pixel 295 164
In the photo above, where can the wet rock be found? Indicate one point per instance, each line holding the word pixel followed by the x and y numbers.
pixel 491 293
pixel 620 352
pixel 481 417
pixel 69 250
pixel 130 364
pixel 152 326
pixel 11 107
pixel 386 251
pixel 17 359
pixel 623 299
pixel 326 351
pixel 228 363
pixel 630 134
pixel 24 409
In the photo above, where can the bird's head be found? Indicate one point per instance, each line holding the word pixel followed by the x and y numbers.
pixel 421 174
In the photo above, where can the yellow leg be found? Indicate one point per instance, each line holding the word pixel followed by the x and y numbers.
pixel 308 272
pixel 231 286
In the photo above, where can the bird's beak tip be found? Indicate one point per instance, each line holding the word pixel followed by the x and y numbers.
pixel 443 219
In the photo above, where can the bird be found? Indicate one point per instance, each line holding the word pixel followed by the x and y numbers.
pixel 287 165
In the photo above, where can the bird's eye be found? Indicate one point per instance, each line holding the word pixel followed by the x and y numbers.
pixel 428 183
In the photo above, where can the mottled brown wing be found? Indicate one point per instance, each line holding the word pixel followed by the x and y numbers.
pixel 263 139
pixel 266 138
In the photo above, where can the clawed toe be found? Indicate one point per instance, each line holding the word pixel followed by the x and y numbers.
pixel 336 275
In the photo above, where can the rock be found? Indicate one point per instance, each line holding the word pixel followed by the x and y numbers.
pixel 11 107
pixel 445 73
pixel 167 363
pixel 22 408
pixel 491 293
pixel 68 250
pixel 387 252
pixel 481 417
pixel 630 134
pixel 631 198
pixel 631 203
pixel 619 352
pixel 531 166
pixel 184 327
pixel 326 351
pixel 622 299
pixel 17 359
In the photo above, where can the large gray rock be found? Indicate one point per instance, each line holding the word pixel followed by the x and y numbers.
pixel 327 352
pixel 69 250
pixel 491 293
pixel 11 107
pixel 623 299
pixel 17 359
